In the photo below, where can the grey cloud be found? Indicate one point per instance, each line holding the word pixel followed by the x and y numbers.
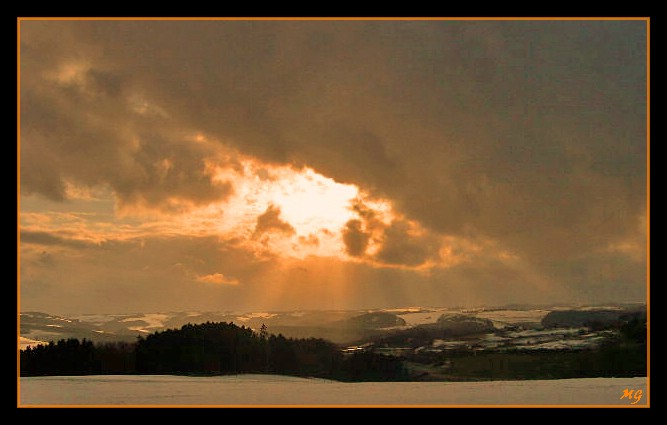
pixel 367 215
pixel 441 99
pixel 355 239
pixel 270 221
pixel 47 238
pixel 164 168
pixel 399 247
pixel 93 126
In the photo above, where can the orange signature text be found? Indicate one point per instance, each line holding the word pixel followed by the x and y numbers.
pixel 629 394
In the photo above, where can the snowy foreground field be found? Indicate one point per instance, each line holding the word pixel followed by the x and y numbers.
pixel 285 390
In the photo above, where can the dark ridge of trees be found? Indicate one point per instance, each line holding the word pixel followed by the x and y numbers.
pixel 633 328
pixel 370 366
pixel 208 349
pixel 609 362
pixel 66 357
pixel 593 319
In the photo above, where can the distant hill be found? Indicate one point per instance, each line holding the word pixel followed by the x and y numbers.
pixel 344 331
pixel 376 320
pixel 339 326
pixel 458 324
pixel 592 318
pixel 38 327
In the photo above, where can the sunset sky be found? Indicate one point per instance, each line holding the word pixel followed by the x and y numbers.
pixel 294 165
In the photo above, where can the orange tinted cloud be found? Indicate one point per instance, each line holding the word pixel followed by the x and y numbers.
pixel 217 278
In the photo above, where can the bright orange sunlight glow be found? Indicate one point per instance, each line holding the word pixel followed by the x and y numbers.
pixel 272 209
pixel 308 210
pixel 310 201
pixel 307 200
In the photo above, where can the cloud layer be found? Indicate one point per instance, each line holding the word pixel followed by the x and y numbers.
pixel 509 151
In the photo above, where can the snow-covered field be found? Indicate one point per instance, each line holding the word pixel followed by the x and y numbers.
pixel 151 320
pixel 513 316
pixel 422 317
pixel 285 390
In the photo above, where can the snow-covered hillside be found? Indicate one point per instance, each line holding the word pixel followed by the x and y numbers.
pixel 338 326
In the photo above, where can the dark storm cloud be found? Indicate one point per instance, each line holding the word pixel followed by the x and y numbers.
pixel 355 239
pixel 532 134
pixel 400 247
pixel 270 221
pixel 46 238
pixel 87 122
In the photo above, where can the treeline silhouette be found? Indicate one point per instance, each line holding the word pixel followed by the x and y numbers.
pixel 209 349
pixel 224 348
